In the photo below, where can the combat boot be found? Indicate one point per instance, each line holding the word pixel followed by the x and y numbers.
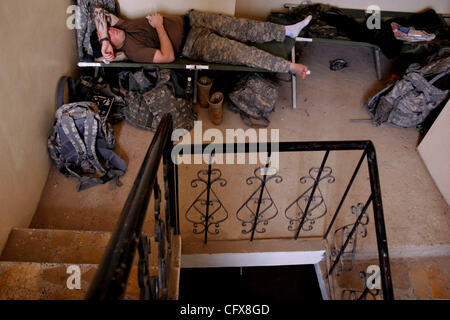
pixel 215 108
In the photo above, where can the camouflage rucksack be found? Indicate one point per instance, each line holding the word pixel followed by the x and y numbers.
pixel 407 102
pixel 81 145
pixel 254 98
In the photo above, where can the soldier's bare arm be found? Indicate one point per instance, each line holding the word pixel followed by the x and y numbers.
pixel 101 18
pixel 166 53
pixel 111 19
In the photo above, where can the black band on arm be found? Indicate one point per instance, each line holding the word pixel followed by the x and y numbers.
pixel 103 39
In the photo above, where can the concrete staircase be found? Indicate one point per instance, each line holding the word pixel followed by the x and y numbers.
pixel 73 228
pixel 34 264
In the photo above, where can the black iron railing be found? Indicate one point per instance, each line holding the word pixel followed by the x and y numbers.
pixel 208 222
pixel 112 275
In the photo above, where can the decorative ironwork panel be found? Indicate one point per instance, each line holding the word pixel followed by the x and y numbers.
pixel 167 203
pixel 147 284
pixel 348 253
pixel 159 284
pixel 261 200
pixel 318 208
pixel 197 212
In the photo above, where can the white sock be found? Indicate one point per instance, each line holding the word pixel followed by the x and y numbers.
pixel 294 30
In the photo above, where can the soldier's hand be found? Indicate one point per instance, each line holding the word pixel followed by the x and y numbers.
pixel 155 20
pixel 299 69
pixel 304 72
pixel 108 51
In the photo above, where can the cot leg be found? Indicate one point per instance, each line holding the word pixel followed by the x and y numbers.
pixel 376 52
pixel 195 86
pixel 294 82
pixel 294 91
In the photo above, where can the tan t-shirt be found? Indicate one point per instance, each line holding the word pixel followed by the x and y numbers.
pixel 141 40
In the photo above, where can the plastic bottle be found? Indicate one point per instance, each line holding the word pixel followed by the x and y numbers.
pixel 189 89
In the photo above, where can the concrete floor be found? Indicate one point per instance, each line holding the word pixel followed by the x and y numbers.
pixel 413 278
pixel 416 215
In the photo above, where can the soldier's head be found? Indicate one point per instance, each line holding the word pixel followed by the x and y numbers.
pixel 116 37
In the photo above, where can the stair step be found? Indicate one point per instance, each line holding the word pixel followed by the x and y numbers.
pixel 69 219
pixel 48 281
pixel 34 264
pixel 89 219
pixel 59 246
pixel 55 246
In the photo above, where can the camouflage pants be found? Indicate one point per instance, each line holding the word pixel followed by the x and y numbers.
pixel 211 39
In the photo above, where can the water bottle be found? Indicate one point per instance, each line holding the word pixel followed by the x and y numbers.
pixel 189 89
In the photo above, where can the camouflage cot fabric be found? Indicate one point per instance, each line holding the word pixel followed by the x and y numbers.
pixel 211 39
pixel 146 110
pixel 409 101
pixel 87 26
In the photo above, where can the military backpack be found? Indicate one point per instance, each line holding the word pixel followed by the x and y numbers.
pixel 408 102
pixel 81 143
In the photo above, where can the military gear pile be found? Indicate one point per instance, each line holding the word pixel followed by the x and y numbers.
pixel 254 98
pixel 407 102
pixel 107 98
pixel 319 26
pixel 147 104
pixel 80 142
pixel 330 22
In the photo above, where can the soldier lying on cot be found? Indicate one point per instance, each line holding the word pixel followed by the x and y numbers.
pixel 208 37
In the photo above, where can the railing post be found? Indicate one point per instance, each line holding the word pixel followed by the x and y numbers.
pixel 208 194
pixel 316 183
pixel 177 202
pixel 171 175
pixel 358 166
pixel 380 230
pixel 263 185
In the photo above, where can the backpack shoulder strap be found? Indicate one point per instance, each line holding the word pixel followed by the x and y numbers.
pixel 90 136
pixel 70 130
pixel 437 77
pixel 61 90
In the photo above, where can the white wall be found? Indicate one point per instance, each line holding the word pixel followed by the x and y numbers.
pixel 37 48
pixel 435 152
pixel 139 8
pixel 260 9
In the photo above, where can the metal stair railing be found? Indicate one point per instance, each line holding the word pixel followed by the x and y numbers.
pixel 111 279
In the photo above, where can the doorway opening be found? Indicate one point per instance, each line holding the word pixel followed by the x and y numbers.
pixel 289 282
